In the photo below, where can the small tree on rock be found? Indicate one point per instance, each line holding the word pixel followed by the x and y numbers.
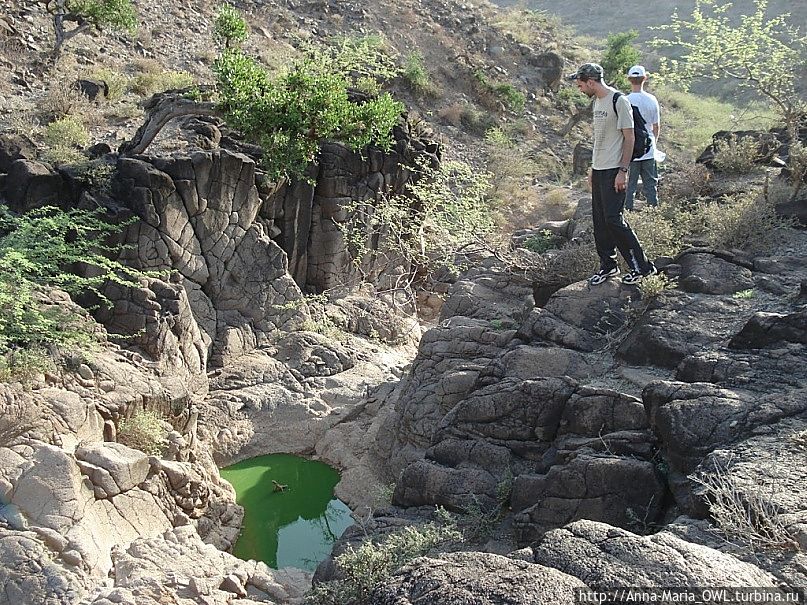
pixel 87 15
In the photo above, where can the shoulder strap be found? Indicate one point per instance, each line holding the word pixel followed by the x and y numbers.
pixel 617 94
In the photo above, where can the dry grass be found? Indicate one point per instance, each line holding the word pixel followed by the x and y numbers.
pixel 746 515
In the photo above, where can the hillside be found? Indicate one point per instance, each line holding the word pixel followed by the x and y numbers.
pixel 599 18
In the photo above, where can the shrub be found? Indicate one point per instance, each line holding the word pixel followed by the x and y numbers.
pixel 687 182
pixel 67 132
pixel 441 212
pixel 545 240
pixel 665 230
pixel 144 431
pixel 229 26
pixel 22 365
pixel 416 74
pixel 498 137
pixel 37 252
pixel 64 99
pixel 745 220
pixel 654 286
pixel 508 95
pixel 746 514
pixel 290 114
pixel 737 156
pixel 570 97
pixel 149 83
pixel 116 82
pixel 618 58
pixel 362 569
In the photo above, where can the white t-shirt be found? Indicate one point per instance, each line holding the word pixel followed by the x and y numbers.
pixel 608 137
pixel 648 107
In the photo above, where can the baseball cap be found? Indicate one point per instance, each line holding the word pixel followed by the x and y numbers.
pixel 588 71
pixel 637 71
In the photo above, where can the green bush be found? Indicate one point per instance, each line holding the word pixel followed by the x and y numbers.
pixel 450 211
pixel 545 240
pixel 416 74
pixel 747 221
pixel 229 26
pixel 289 115
pixel 149 83
pixel 619 56
pixel 66 132
pixel 37 252
pixel 363 568
pixel 737 156
pixel 144 431
pixel 116 82
pixel 504 92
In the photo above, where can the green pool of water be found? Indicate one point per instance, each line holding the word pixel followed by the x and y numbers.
pixel 292 528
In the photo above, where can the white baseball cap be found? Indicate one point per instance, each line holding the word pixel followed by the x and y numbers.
pixel 637 71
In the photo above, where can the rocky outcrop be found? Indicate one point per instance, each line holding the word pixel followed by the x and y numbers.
pixel 480 578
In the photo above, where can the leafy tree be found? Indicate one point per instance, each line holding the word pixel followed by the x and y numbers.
pixel 619 56
pixel 763 54
pixel 230 26
pixel 88 14
pixel 37 252
pixel 291 113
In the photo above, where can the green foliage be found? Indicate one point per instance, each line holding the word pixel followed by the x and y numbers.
pixel 151 82
pixel 144 431
pixel 664 230
pixel 22 365
pixel 571 97
pixel 737 156
pixel 416 74
pixel 619 56
pixel 116 82
pixel 289 115
pixel 116 14
pixel 504 92
pixel 37 252
pixel 66 132
pixel 229 26
pixel 545 240
pixel 498 138
pixel 747 221
pixel 442 212
pixel 745 294
pixel 654 286
pixel 763 54
pixel 363 568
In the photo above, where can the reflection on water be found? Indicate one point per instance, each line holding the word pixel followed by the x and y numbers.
pixel 295 527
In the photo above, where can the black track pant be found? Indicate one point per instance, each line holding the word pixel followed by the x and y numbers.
pixel 611 232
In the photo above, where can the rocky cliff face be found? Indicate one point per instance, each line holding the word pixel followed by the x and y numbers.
pixel 216 348
pixel 578 410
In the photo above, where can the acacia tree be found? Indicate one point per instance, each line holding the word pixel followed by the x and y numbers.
pixel 87 15
pixel 619 56
pixel 765 55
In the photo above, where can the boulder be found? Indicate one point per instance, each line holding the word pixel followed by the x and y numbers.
pixel 113 468
pixel 606 558
pixel 478 578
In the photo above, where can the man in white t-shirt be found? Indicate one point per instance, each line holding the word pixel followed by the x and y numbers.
pixel 613 149
pixel 644 166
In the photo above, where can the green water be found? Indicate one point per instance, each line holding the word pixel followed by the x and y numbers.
pixel 292 528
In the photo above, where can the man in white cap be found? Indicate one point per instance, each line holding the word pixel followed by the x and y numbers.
pixel 644 166
pixel 611 156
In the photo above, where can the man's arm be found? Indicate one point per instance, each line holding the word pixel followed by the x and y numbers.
pixel 627 147
pixel 655 131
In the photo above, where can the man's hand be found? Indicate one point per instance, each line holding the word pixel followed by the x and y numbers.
pixel 621 181
pixel 589 180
